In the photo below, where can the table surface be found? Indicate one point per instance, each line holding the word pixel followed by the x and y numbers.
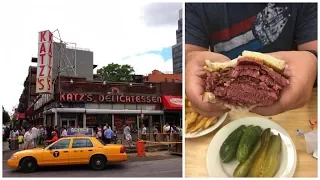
pixel 307 166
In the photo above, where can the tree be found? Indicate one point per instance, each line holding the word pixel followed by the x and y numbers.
pixel 116 73
pixel 5 116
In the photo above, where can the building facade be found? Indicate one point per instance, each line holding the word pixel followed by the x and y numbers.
pixel 89 104
pixel 177 48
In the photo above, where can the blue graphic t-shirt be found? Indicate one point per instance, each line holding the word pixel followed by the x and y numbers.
pixel 230 28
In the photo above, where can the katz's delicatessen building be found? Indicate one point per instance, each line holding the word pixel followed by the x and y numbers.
pixel 89 104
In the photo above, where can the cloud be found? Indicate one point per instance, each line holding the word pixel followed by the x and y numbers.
pixel 112 32
pixel 161 14
pixel 145 63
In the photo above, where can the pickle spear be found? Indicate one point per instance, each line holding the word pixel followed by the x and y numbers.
pixel 243 168
pixel 271 162
pixel 259 159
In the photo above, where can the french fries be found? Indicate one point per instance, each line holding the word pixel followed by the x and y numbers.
pixel 194 121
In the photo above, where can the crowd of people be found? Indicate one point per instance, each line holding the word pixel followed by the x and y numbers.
pixel 31 137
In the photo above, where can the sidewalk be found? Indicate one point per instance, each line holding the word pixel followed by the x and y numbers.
pixel 5 146
pixel 152 156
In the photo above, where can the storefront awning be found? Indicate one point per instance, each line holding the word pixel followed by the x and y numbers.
pixel 21 115
pixel 172 102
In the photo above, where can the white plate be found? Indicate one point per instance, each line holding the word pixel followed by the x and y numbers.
pixel 209 130
pixel 288 155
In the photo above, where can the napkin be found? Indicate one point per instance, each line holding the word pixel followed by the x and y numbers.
pixel 311 139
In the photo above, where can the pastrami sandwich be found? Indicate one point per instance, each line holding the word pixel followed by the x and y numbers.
pixel 251 80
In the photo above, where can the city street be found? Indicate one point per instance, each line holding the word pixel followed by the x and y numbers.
pixel 157 164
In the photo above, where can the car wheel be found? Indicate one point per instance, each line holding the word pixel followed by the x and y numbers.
pixel 98 162
pixel 29 165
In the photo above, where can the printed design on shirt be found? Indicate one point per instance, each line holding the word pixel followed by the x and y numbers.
pixel 270 22
pixel 252 33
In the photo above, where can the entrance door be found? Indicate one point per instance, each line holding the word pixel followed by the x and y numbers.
pixel 68 122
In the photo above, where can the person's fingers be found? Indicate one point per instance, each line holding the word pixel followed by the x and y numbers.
pixel 271 110
pixel 211 113
pixel 216 57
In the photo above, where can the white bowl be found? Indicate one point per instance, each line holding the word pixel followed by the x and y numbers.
pixel 288 155
pixel 209 130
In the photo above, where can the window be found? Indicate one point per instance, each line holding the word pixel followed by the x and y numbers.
pixel 62 144
pixel 100 140
pixel 81 143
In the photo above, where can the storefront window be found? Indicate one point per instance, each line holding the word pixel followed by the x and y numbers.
pixel 94 120
pixel 121 120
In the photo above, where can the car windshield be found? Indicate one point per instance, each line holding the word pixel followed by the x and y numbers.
pixel 100 140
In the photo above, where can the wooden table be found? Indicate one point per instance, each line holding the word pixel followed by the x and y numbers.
pixel 307 166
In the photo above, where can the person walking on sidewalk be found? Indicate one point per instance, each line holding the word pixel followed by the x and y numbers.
pixel 155 133
pixel 28 140
pixel 34 132
pixel 127 135
pixel 144 132
pixel 108 135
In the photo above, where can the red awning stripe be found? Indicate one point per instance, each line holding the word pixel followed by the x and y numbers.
pixel 21 116
pixel 172 102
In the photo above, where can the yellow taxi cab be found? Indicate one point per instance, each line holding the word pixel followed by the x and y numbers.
pixel 69 151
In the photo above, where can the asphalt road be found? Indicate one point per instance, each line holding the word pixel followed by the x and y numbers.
pixel 155 166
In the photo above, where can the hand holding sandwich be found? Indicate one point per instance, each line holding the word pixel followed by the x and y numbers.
pixel 301 71
pixel 195 83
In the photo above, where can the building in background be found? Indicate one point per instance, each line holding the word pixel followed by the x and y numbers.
pixel 177 48
pixel 157 76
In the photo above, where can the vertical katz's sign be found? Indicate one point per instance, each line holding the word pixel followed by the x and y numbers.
pixel 44 67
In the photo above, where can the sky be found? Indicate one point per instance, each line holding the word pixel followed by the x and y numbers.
pixel 139 34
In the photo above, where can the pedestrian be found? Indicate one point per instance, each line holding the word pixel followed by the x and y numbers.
pixel 28 139
pixel 144 132
pixel 168 131
pixel 99 132
pixel 127 135
pixel 34 132
pixel 20 140
pixel 54 138
pixel 108 135
pixel 106 126
pixel 49 132
pixel 181 134
pixel 155 133
pixel 64 132
pixel 115 135
pixel 41 134
pixel 164 136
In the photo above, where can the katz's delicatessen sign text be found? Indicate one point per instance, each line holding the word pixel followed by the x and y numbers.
pixel 44 67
